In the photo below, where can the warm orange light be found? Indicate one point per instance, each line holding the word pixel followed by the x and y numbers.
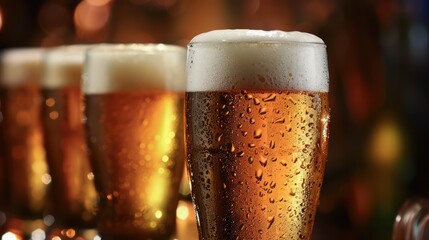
pixel 1 19
pixel 88 17
pixel 98 2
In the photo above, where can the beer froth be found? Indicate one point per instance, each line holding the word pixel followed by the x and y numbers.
pixel 63 66
pixel 118 68
pixel 258 60
pixel 20 66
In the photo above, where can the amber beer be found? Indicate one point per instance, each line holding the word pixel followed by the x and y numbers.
pixel 256 132
pixel 72 194
pixel 27 170
pixel 134 97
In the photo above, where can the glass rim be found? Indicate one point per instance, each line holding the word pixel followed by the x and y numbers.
pixel 268 42
pixel 106 48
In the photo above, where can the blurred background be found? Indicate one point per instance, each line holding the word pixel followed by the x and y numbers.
pixel 378 54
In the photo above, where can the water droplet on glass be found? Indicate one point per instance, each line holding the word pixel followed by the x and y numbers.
pixel 257 133
pixel 258 174
pixel 231 147
pixel 256 101
pixel 252 120
pixel 269 98
pixel 263 161
pixel 272 144
pixel 251 145
pixel 219 137
pixel 263 110
pixel 280 120
pixel 250 160
pixel 270 221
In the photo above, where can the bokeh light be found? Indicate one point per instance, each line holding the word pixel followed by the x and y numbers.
pixel 1 19
pixel 89 17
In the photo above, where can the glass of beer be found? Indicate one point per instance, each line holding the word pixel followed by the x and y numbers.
pixel 134 108
pixel 256 132
pixel 22 139
pixel 72 195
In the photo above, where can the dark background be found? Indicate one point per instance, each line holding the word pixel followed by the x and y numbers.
pixel 379 63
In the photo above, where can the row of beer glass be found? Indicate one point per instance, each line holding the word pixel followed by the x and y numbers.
pixel 103 129
pixel 134 120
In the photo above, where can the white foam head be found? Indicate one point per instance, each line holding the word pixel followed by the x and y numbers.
pixel 62 66
pixel 21 66
pixel 244 59
pixel 147 67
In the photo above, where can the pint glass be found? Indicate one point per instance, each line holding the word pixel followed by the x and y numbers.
pixel 72 193
pixel 134 98
pixel 256 132
pixel 24 155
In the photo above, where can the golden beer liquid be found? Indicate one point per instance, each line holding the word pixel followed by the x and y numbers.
pixel 257 160
pixel 136 148
pixel 27 169
pixel 4 192
pixel 73 197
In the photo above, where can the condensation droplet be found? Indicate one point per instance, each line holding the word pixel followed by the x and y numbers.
pixel 256 101
pixel 269 98
pixel 283 162
pixel 257 133
pixel 240 154
pixel 244 133
pixel 252 120
pixel 270 221
pixel 258 174
pixel 250 160
pixel 263 161
pixel 280 120
pixel 251 145
pixel 249 110
pixel 231 148
pixel 263 110
pixel 272 144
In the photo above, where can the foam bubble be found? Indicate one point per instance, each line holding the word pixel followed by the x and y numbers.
pixel 149 67
pixel 62 66
pixel 21 66
pixel 257 60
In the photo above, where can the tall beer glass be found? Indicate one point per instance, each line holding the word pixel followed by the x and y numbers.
pixel 256 132
pixel 72 193
pixel 134 97
pixel 24 155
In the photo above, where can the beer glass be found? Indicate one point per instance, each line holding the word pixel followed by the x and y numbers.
pixel 256 132
pixel 72 194
pixel 24 155
pixel 412 221
pixel 134 97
